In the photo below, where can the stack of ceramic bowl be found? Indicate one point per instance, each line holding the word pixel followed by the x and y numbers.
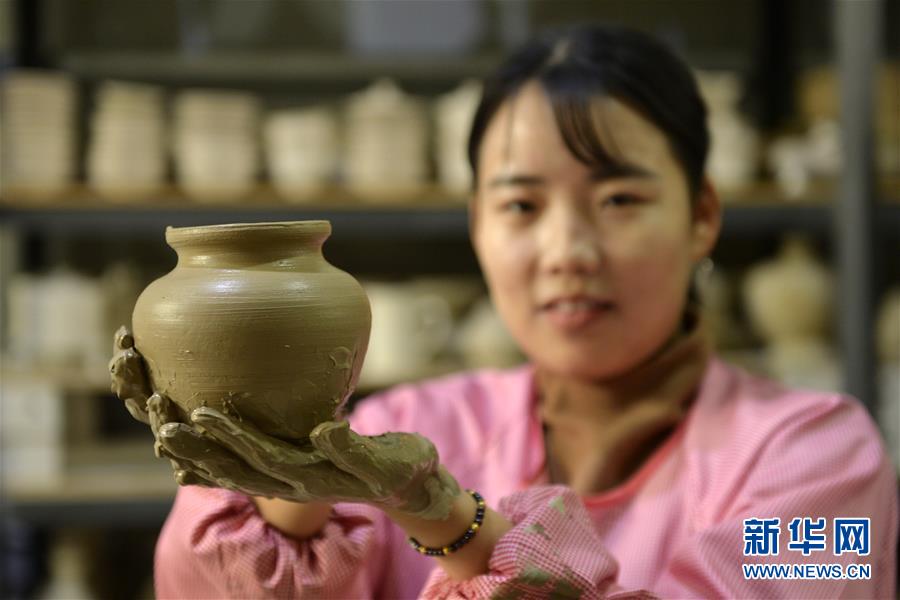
pixel 38 129
pixel 301 151
pixel 215 143
pixel 453 114
pixel 386 154
pixel 126 158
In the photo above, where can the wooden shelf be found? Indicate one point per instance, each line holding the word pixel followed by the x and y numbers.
pixel 426 214
pixel 423 215
pixel 245 68
pixel 127 513
pixel 93 378
pixel 119 484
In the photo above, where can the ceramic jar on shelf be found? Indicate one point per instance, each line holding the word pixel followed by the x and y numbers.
pixel 411 325
pixel 788 300
pixel 453 117
pixel 127 152
pixel 215 143
pixel 57 320
pixel 385 143
pixel 301 147
pixel 483 340
pixel 37 121
pixel 734 143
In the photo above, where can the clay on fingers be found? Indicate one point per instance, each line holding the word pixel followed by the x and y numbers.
pixel 247 441
pixel 308 471
pixel 401 470
pixel 128 379
pixel 211 462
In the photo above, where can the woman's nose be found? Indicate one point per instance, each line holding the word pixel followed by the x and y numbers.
pixel 570 244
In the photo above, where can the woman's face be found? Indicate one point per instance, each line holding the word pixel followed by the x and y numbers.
pixel 589 269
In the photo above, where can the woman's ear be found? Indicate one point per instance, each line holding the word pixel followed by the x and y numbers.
pixel 706 222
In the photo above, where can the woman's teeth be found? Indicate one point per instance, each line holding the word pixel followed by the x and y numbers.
pixel 571 306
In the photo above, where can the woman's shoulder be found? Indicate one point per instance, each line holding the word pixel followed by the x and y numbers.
pixel 478 397
pixel 729 391
pixel 746 416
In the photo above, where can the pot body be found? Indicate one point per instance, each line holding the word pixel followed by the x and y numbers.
pixel 254 322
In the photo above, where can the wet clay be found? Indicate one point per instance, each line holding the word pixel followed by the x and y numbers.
pixel 254 323
pixel 394 470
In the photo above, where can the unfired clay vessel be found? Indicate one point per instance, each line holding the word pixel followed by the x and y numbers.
pixel 788 300
pixel 254 322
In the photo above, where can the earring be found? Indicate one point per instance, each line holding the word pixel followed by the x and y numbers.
pixel 703 271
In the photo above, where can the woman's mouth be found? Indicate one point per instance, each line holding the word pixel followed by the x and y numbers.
pixel 570 314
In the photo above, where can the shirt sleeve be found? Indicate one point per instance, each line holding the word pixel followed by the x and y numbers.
pixel 552 551
pixel 215 544
pixel 828 464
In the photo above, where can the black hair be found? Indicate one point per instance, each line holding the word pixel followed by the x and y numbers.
pixel 580 64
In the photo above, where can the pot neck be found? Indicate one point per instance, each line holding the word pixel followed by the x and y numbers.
pixel 285 246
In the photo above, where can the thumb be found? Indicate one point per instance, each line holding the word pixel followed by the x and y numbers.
pixel 348 451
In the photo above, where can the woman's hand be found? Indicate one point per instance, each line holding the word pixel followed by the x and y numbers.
pixel 395 471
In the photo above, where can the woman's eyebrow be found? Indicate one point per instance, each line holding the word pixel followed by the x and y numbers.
pixel 620 171
pixel 515 179
pixel 611 171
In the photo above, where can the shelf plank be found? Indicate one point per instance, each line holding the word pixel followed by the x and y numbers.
pixel 125 513
pixel 243 68
pixel 430 214
pixel 439 217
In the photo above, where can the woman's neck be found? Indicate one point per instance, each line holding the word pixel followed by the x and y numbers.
pixel 598 433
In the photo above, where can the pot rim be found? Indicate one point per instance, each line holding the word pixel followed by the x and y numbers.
pixel 227 231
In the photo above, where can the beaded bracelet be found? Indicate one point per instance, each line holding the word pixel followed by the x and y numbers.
pixel 462 541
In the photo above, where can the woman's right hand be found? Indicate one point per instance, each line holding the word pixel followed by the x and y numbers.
pixel 399 471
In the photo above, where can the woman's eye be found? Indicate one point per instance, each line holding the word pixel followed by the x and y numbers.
pixel 519 206
pixel 621 200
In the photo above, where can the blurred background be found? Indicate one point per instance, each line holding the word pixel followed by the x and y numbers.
pixel 120 117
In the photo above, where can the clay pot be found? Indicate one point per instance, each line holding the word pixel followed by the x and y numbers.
pixel 253 321
pixel 789 297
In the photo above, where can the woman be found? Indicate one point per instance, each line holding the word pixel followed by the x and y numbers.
pixel 624 459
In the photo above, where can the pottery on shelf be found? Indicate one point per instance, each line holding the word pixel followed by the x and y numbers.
pixel 734 143
pixel 38 131
pixel 215 143
pixel 301 148
pixel 453 113
pixel 788 301
pixel 386 143
pixel 483 340
pixel 254 322
pixel 126 157
pixel 410 327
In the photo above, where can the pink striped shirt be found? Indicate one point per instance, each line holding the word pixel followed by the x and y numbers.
pixel 749 448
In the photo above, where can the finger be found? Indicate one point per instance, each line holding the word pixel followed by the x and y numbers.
pixel 137 411
pixel 349 452
pixel 264 452
pixel 185 472
pixel 123 339
pixel 215 463
pixel 161 410
pixel 387 462
pixel 129 382
pixel 186 477
pixel 306 470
